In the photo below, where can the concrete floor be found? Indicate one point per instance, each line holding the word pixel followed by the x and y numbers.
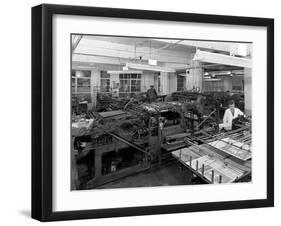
pixel 167 175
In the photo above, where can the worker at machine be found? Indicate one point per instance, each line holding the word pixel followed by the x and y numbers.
pixel 151 94
pixel 231 113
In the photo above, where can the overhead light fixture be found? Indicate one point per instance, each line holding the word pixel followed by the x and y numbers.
pixel 212 80
pixel 150 67
pixel 125 68
pixel 242 49
pixel 152 62
pixel 221 73
pixel 238 72
pixel 218 58
pixel 216 73
pixel 124 72
pixel 79 74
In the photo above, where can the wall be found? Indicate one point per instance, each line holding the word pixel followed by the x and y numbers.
pixel 226 83
pixel 248 90
pixel 168 81
pixel 16 124
pixel 237 82
pixel 149 78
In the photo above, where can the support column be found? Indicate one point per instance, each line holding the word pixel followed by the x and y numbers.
pixel 164 82
pixel 195 76
pixel 172 82
pixel 95 84
pixel 248 90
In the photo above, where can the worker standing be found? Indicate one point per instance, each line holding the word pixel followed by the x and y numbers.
pixel 231 113
pixel 151 94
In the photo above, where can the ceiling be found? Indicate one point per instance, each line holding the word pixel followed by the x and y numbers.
pixel 114 52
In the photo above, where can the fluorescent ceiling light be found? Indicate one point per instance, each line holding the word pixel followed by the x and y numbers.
pixel 217 58
pixel 125 68
pixel 215 73
pixel 125 72
pixel 212 80
pixel 150 67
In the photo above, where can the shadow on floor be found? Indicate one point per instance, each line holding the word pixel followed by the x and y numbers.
pixel 165 176
pixel 25 213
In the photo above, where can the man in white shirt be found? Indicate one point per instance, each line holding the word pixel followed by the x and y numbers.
pixel 231 113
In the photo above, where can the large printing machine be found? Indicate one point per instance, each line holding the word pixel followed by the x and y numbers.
pixel 142 136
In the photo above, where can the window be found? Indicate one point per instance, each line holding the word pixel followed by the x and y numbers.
pixel 81 85
pixel 104 82
pixel 180 83
pixel 130 84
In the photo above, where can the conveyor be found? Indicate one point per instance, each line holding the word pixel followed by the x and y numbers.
pixel 220 158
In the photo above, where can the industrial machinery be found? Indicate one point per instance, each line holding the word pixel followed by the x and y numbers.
pixel 140 136
pixel 116 144
pixel 224 157
pixel 209 101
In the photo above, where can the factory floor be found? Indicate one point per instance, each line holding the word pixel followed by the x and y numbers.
pixel 165 176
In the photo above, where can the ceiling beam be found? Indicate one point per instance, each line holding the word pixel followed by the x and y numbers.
pixel 75 41
pixel 217 58
pixel 233 48
pixel 94 60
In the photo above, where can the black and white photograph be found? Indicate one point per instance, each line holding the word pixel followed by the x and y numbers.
pixel 152 111
pixel 140 113
pixel 143 112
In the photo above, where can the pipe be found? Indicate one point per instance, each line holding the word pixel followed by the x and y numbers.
pixel 128 143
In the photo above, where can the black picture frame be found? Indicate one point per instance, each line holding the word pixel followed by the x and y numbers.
pixel 42 111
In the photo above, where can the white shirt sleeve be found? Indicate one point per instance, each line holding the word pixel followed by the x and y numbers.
pixel 226 117
pixel 239 112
